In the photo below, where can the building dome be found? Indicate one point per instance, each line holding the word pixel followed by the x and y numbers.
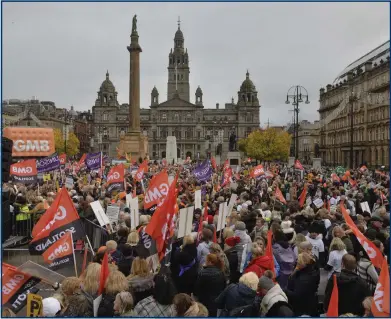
pixel 247 85
pixel 198 91
pixel 107 85
pixel 179 35
pixel 154 90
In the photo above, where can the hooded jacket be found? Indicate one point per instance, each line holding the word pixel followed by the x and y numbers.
pixel 234 296
pixel 275 303
pixel 352 290
pixel 184 268
pixel 259 265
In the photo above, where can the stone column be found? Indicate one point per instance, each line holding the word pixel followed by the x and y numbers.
pixel 134 82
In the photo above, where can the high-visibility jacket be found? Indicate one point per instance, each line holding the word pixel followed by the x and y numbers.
pixel 23 213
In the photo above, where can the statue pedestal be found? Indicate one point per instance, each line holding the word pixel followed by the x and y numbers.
pixel 316 163
pixel 171 150
pixel 134 143
pixel 291 161
pixel 233 159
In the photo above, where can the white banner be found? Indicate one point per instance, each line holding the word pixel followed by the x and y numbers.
pixel 231 203
pixel 197 199
pixel 112 213
pixel 185 221
pixel 134 214
pixel 100 213
pixel 223 212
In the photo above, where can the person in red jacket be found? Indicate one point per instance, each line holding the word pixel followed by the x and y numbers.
pixel 259 262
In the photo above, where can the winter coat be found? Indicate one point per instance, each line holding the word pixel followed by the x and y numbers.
pixel 286 259
pixel 243 248
pixel 234 296
pixel 349 245
pixel 184 268
pixel 106 306
pixel 232 256
pixel 79 305
pixel 275 304
pixel 149 307
pixel 210 284
pixel 352 290
pixel 259 265
pixel 141 287
pixel 302 290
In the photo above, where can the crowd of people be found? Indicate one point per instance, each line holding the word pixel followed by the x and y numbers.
pixel 268 260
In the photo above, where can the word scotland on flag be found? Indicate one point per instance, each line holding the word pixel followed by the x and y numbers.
pixel 93 161
pixel 24 172
pixel 48 164
pixel 204 171
pixel 58 219
pixel 60 253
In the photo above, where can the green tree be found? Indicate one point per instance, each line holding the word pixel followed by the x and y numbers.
pixel 58 141
pixel 268 145
pixel 73 143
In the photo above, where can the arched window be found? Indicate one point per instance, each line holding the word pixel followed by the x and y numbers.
pixel 105 98
pixel 105 116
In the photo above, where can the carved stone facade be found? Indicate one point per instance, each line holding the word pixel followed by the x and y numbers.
pixel 197 129
pixel 308 137
pixel 365 85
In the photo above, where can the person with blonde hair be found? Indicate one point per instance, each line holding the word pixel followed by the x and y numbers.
pixel 90 279
pixel 299 239
pixel 123 304
pixel 303 283
pixel 216 249
pixel 115 254
pixel 337 251
pixel 140 280
pixel 115 283
pixel 367 304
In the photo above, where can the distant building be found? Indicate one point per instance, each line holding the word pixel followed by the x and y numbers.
pixel 365 84
pixel 308 136
pixel 198 130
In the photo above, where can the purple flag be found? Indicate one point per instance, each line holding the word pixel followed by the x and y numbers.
pixel 93 161
pixel 48 164
pixel 203 172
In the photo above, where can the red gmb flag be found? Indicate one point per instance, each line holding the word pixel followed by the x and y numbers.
pixel 60 253
pixel 213 162
pixel 303 196
pixel 332 310
pixel 161 225
pixel 373 252
pixel 298 165
pixel 226 177
pixel 257 171
pixel 269 250
pixel 59 218
pixel 24 172
pixel 63 158
pixel 143 168
pixel 115 178
pixel 381 300
pixel 279 196
pixel 226 165
pixel 335 178
pixel 157 190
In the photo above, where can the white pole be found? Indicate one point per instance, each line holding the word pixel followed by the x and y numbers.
pixel 74 257
pixel 89 243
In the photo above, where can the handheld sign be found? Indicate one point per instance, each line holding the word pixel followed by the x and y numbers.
pixel 34 305
pixel 112 213
pixel 185 221
pixel 197 199
pixel 134 214
pixel 100 213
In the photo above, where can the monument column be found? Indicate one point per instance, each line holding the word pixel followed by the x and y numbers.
pixel 134 79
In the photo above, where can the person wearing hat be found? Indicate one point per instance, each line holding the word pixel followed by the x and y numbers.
pixel 316 241
pixel 274 302
pixel 232 243
pixel 50 307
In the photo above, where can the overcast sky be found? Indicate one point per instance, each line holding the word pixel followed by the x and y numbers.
pixel 61 51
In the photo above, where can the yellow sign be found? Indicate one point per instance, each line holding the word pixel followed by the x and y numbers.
pixel 34 305
pixel 46 177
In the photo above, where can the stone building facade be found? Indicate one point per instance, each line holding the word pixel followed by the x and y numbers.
pixel 199 131
pixel 365 85
pixel 308 135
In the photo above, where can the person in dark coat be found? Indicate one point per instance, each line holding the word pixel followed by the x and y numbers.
pixel 184 266
pixel 210 283
pixel 232 256
pixel 238 295
pixel 302 289
pixel 352 290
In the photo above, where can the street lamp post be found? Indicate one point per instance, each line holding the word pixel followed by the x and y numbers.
pixel 296 93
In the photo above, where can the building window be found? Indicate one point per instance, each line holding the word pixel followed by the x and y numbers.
pixel 198 134
pixel 105 117
pixel 164 116
pixel 154 134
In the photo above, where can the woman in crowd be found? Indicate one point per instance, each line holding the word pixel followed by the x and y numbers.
pixel 123 304
pixel 337 251
pixel 140 280
pixel 185 306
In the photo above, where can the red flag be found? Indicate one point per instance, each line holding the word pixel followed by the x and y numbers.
pixel 24 172
pixel 161 225
pixel 298 165
pixel 213 162
pixel 115 178
pixel 214 235
pixel 104 273
pixel 363 169
pixel 4 268
pixel 332 310
pixel 335 178
pixel 269 250
pixel 352 182
pixel 373 252
pixel 60 253
pixel 279 196
pixel 257 171
pixel 303 196
pixel 143 168
pixel 381 300
pixel 63 158
pixel 157 190
pixel 227 177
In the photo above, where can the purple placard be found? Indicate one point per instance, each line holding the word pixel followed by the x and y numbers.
pixel 204 171
pixel 48 164
pixel 93 161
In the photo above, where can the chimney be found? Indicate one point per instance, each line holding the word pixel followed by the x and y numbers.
pixel 217 106
pixel 367 66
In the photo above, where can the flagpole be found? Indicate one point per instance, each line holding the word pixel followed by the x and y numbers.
pixel 89 243
pixel 74 257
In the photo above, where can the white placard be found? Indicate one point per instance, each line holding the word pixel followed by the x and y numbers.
pixel 318 202
pixel 365 207
pixel 185 221
pixel 69 182
pixel 100 213
pixel 134 214
pixel 308 201
pixel 197 199
pixel 128 200
pixel 96 304
pixel 223 211
pixel 231 203
pixel 112 213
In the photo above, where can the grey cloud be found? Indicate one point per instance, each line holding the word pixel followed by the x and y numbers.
pixel 60 51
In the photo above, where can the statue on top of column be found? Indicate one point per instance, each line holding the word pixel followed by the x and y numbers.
pixel 134 24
